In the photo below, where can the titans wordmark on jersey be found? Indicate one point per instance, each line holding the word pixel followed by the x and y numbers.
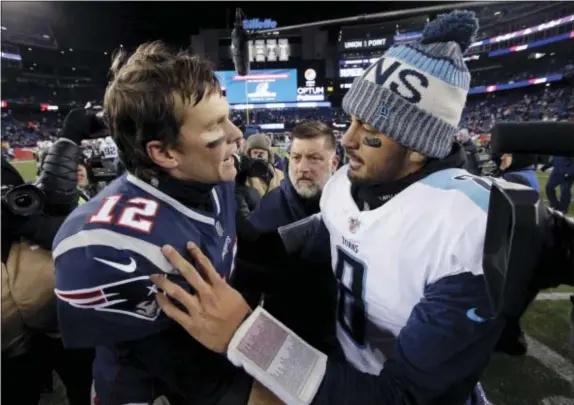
pixel 384 259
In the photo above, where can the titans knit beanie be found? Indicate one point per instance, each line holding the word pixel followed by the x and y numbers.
pixel 416 92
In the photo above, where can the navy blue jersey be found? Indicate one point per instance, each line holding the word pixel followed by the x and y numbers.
pixel 104 255
pixel 108 247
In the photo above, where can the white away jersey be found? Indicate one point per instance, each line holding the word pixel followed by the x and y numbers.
pixel 108 150
pixel 88 152
pixel 385 258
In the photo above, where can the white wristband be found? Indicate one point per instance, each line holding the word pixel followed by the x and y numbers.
pixel 278 358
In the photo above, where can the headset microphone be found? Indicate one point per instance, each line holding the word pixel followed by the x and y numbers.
pixel 239 46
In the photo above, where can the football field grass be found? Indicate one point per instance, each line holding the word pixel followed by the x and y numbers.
pixel 27 168
pixel 545 376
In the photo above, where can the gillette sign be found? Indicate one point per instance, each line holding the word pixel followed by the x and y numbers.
pixel 364 44
pixel 256 24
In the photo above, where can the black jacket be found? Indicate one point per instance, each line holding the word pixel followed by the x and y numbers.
pixel 299 293
pixel 58 180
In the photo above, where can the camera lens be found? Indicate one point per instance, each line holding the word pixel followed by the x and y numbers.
pixel 24 200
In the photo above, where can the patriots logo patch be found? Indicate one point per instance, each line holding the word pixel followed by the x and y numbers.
pixel 133 297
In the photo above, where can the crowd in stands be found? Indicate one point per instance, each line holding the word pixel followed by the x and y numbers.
pixel 24 130
pixel 480 114
pixel 520 71
pixel 547 104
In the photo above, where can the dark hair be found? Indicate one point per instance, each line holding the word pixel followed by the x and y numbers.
pixel 142 99
pixel 315 129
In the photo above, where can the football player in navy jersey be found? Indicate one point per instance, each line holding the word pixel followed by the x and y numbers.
pixel 167 115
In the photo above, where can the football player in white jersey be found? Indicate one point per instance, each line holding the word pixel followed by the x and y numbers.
pixel 108 149
pixel 406 225
pixel 87 149
pixel 42 148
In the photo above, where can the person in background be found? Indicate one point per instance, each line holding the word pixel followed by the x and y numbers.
pixel 312 162
pixel 263 176
pixel 562 176
pixel 470 149
pixel 86 189
pixel 28 277
pixel 246 196
pixel 83 183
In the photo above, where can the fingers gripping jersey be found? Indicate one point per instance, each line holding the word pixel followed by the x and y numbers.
pixel 106 251
pixel 410 277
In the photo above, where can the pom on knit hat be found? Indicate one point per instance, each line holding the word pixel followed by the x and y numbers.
pixel 458 26
pixel 416 92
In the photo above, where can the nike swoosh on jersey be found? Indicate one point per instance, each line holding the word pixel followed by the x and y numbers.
pixel 126 268
pixel 473 316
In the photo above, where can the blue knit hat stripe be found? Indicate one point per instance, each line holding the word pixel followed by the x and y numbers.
pixel 441 69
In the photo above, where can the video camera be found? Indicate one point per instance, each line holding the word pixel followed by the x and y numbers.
pixel 24 200
pixel 100 170
pixel 528 247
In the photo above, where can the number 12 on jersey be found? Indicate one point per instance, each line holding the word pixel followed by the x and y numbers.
pixel 350 273
pixel 137 213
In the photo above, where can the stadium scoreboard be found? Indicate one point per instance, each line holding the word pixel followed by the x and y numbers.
pixel 269 50
pixel 259 86
pixel 265 86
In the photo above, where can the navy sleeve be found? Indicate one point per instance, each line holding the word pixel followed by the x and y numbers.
pixel 269 215
pixel 307 239
pixel 438 357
